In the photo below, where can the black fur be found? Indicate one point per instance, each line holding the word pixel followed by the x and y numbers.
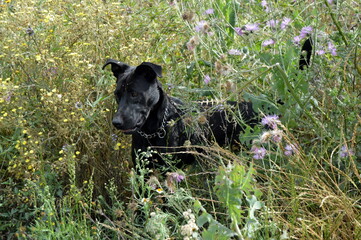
pixel 306 52
pixel 157 120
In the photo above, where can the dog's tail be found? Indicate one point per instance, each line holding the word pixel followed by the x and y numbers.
pixel 306 52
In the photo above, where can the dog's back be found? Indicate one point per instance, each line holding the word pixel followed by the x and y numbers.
pixel 202 124
pixel 217 121
pixel 228 121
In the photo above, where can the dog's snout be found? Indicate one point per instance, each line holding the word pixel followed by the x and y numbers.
pixel 117 123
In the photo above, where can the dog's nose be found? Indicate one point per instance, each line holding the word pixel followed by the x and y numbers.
pixel 117 123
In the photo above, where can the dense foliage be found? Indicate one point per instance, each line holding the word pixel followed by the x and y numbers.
pixel 66 173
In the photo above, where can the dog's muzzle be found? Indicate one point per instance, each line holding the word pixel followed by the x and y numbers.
pixel 118 124
pixel 128 125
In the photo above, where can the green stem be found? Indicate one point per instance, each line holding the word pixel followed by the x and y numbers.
pixel 294 95
pixel 358 68
pixel 336 23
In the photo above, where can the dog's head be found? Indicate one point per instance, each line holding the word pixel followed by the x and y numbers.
pixel 137 92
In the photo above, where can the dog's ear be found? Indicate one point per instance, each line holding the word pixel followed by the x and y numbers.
pixel 117 67
pixel 150 68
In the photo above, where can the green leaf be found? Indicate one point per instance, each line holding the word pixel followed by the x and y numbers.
pixel 204 218
pixel 197 206
pixel 254 205
pixel 249 134
pixel 217 231
pixel 261 103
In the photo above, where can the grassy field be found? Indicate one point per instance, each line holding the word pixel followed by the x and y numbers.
pixel 66 173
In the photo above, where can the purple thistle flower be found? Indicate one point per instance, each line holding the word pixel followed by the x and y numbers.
pixel 190 46
pixel 252 27
pixel 264 4
pixel 8 97
pixel 234 52
pixel 209 33
pixel 333 52
pixel 285 22
pixel 52 71
pixel 332 49
pixel 290 149
pixel 177 177
pixel 209 11
pixel 277 138
pixel 305 31
pixel 192 43
pixel 114 137
pixel 259 152
pixel 271 121
pixel 346 152
pixel 239 31
pixel 200 26
pixel 268 42
pixel 277 135
pixel 30 31
pixel 203 27
pixel 320 52
pixel 207 79
pixel 272 23
pixel 297 40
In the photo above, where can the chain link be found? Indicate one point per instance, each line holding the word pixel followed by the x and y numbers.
pixel 161 131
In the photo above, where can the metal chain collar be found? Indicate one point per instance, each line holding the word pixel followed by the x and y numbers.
pixel 161 131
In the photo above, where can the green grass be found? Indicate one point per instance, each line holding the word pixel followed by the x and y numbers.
pixel 65 172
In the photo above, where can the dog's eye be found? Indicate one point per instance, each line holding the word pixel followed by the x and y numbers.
pixel 134 94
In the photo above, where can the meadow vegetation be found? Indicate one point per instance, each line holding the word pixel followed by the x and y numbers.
pixel 66 173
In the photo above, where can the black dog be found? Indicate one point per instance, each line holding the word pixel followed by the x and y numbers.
pixel 158 121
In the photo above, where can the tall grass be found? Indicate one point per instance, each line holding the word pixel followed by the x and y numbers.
pixel 66 173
